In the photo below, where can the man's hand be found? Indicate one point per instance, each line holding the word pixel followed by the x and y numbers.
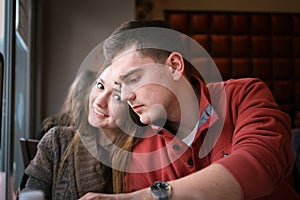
pixel 96 196
pixel 143 194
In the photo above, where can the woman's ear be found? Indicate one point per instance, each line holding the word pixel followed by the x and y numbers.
pixel 175 61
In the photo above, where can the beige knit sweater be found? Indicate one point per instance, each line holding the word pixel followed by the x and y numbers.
pixel 80 174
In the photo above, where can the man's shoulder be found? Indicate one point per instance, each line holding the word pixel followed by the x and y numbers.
pixel 242 81
pixel 235 83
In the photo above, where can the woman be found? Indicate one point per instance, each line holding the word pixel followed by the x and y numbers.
pixel 64 117
pixel 66 164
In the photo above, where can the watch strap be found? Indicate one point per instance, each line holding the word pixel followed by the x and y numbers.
pixel 161 190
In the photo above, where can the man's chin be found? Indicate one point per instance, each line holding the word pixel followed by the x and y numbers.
pixel 156 122
pixel 145 118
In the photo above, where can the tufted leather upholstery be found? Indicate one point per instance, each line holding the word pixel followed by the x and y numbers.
pixel 244 44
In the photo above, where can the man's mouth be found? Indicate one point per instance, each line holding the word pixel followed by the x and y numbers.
pixel 137 108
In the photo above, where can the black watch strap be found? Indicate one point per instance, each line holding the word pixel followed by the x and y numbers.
pixel 160 190
pixel 163 198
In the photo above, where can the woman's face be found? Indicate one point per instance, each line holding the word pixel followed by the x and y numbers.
pixel 105 107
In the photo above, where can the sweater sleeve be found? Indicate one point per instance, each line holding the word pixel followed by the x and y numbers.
pixel 40 168
pixel 261 155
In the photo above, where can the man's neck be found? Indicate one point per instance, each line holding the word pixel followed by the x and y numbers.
pixel 189 97
pixel 183 114
pixel 182 130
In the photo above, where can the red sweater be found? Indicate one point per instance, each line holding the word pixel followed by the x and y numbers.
pixel 243 130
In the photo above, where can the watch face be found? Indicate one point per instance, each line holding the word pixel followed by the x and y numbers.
pixel 160 189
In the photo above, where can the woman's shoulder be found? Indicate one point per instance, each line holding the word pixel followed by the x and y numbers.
pixel 58 135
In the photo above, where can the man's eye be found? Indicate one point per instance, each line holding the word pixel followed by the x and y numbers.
pixel 100 85
pixel 134 80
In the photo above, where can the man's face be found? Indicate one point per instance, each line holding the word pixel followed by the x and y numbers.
pixel 146 85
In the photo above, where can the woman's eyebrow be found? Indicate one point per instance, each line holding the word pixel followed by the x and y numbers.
pixel 117 87
pixel 100 80
pixel 117 84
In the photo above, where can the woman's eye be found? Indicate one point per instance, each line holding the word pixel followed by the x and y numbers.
pixel 100 85
pixel 116 97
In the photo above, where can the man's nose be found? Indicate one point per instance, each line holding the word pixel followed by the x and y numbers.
pixel 127 94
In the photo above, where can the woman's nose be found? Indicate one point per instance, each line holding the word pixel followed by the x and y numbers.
pixel 101 99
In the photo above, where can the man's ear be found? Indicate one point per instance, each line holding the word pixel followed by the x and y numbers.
pixel 175 61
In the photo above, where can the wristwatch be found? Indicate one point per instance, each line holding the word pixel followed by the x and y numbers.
pixel 161 190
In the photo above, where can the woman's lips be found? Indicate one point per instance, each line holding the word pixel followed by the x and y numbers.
pixel 100 114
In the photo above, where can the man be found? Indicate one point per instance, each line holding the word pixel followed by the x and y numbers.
pixel 220 140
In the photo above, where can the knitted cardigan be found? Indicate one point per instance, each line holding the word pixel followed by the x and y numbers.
pixel 79 174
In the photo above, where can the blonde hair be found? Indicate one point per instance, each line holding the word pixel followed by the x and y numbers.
pixel 124 141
